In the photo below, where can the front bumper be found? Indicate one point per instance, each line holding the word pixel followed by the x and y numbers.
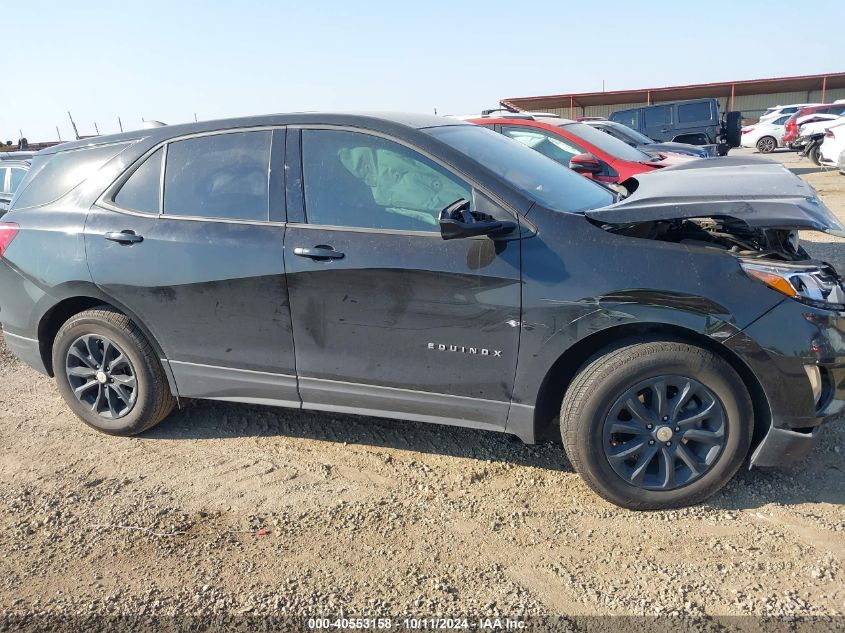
pixel 777 347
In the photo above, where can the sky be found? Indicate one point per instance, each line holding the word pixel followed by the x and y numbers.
pixel 172 60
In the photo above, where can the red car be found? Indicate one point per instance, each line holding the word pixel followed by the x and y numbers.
pixel 578 146
pixel 790 128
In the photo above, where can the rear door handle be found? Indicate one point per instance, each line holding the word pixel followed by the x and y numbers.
pixel 321 251
pixel 123 237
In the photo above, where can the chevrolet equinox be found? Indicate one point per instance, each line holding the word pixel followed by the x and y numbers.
pixel 427 269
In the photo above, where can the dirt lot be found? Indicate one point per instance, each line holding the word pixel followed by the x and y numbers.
pixel 375 517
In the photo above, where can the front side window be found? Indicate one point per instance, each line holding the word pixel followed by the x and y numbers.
pixel 359 180
pixel 142 191
pixel 3 180
pixel 658 115
pixel 555 147
pixel 16 176
pixel 222 176
pixel 693 112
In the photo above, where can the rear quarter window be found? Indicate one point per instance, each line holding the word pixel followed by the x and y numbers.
pixel 53 176
pixel 694 112
pixel 626 117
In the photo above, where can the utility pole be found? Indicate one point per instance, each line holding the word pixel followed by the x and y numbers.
pixel 73 125
pixel 59 134
pixel 96 129
pixel 120 123
pixel 195 117
pixel 602 85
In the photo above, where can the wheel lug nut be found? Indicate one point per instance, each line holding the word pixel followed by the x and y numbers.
pixel 677 428
pixel 668 443
pixel 665 417
pixel 651 442
pixel 649 426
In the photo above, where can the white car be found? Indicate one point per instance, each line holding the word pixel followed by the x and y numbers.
pixel 834 143
pixel 766 136
pixel 775 112
pixel 815 123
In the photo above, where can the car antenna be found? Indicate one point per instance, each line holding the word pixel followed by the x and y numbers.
pixel 73 125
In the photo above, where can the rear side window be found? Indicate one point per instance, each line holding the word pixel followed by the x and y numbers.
pixel 54 176
pixel 142 191
pixel 694 112
pixel 16 176
pixel 626 117
pixel 222 176
pixel 658 115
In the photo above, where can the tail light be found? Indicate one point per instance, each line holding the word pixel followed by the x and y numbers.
pixel 8 231
pixel 746 131
pixel 829 133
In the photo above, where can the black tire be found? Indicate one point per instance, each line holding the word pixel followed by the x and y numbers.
pixel 814 154
pixel 767 144
pixel 150 399
pixel 600 383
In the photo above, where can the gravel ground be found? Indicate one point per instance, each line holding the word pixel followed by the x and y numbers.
pixel 230 511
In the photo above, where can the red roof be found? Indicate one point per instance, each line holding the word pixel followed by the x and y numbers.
pixel 676 93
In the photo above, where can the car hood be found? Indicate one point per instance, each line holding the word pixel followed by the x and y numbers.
pixel 679 148
pixel 759 192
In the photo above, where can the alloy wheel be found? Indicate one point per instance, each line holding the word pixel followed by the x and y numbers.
pixel 664 433
pixel 766 145
pixel 101 376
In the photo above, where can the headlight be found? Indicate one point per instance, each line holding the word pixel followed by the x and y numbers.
pixel 815 285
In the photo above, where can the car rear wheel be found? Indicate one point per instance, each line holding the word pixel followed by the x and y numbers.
pixel 109 374
pixel 815 154
pixel 767 145
pixel 655 425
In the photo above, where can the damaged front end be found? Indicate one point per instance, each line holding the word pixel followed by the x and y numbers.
pixel 751 209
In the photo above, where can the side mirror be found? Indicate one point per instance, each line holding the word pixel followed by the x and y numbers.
pixel 458 221
pixel 585 164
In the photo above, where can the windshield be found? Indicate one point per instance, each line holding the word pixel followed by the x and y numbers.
pixel 538 177
pixel 624 130
pixel 606 143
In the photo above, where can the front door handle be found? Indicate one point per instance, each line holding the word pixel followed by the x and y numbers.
pixel 124 237
pixel 321 251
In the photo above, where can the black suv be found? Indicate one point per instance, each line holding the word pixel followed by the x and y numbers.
pixel 695 121
pixel 427 269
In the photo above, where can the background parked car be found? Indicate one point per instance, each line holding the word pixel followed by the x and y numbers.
pixel 766 136
pixel 13 168
pixel 649 145
pixel 777 111
pixel 792 124
pixel 578 146
pixel 695 121
pixel 833 145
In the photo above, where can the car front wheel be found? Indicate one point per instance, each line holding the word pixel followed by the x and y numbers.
pixel 656 425
pixel 109 374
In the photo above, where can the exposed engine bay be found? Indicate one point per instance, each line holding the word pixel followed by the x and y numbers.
pixel 724 233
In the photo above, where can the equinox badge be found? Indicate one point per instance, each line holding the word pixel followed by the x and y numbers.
pixel 481 351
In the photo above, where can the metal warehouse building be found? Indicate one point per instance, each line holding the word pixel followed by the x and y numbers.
pixel 751 97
